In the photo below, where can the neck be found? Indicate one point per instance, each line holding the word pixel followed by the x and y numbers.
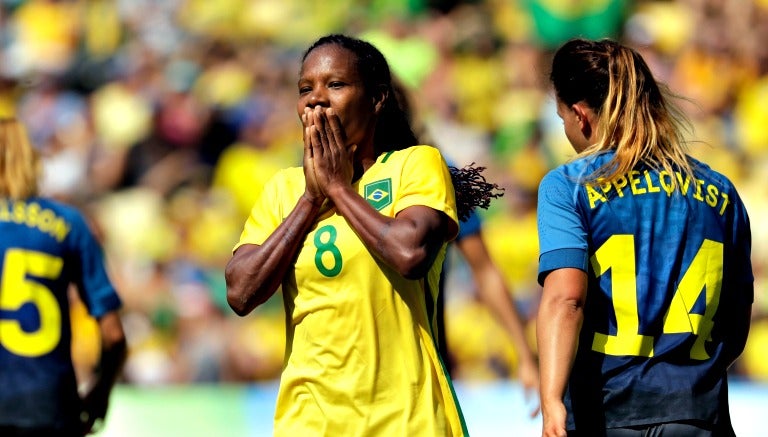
pixel 364 158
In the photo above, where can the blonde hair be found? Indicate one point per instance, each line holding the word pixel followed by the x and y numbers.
pixel 19 161
pixel 635 115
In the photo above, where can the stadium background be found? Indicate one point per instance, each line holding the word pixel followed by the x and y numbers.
pixel 162 118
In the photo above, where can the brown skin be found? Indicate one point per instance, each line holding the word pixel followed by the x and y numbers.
pixel 340 117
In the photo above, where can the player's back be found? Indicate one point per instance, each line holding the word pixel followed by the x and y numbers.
pixel 666 260
pixel 38 256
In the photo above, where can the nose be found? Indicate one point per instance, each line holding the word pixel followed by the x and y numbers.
pixel 317 97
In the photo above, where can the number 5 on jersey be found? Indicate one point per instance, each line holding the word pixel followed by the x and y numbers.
pixel 17 290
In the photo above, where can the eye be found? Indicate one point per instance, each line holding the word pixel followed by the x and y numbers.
pixel 304 90
pixel 336 84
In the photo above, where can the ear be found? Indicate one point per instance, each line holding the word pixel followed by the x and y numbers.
pixel 583 117
pixel 379 97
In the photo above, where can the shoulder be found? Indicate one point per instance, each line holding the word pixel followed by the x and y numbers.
pixel 286 179
pixel 418 152
pixel 574 172
pixel 561 189
pixel 427 152
pixel 54 208
pixel 61 221
pixel 711 176
pixel 704 171
pixel 716 182
pixel 55 205
pixel 559 177
pixel 290 173
pixel 281 188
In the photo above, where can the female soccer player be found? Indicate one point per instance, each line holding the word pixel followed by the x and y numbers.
pixel 46 246
pixel 356 238
pixel 644 259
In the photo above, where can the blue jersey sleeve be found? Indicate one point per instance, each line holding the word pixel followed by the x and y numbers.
pixel 562 232
pixel 470 226
pixel 96 290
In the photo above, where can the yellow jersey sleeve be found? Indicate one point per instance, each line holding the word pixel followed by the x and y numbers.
pixel 272 205
pixel 426 180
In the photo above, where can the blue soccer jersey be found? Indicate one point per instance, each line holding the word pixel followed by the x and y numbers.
pixel 45 247
pixel 668 270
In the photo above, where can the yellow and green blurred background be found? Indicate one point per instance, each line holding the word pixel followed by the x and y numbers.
pixel 162 119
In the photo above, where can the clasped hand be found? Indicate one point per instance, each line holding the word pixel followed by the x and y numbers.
pixel 327 160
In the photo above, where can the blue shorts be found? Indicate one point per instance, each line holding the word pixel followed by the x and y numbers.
pixel 672 429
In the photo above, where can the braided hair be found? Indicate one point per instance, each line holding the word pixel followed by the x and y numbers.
pixel 472 189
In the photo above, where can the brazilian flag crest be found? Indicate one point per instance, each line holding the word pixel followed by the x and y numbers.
pixel 379 193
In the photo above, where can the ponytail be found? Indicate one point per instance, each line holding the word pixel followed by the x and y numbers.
pixel 635 115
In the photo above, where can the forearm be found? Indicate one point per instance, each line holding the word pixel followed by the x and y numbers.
pixel 408 243
pixel 114 349
pixel 255 272
pixel 558 325
pixel 498 299
pixel 113 355
pixel 494 293
pixel 110 366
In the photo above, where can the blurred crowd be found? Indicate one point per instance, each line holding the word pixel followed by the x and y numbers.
pixel 162 119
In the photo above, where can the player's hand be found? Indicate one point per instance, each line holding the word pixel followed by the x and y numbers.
pixel 312 192
pixel 94 410
pixel 553 423
pixel 528 375
pixel 332 158
pixel 89 424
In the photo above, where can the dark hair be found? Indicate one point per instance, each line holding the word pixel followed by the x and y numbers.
pixel 636 117
pixel 580 73
pixel 472 189
pixel 393 131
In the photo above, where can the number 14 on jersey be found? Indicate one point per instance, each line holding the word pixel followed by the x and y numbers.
pixel 704 274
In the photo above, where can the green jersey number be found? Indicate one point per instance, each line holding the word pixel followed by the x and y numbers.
pixel 617 254
pixel 325 239
pixel 18 289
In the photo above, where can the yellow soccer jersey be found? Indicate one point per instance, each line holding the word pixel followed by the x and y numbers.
pixel 360 355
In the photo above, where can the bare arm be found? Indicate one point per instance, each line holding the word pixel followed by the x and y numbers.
pixel 410 242
pixel 255 272
pixel 495 294
pixel 559 321
pixel 113 355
